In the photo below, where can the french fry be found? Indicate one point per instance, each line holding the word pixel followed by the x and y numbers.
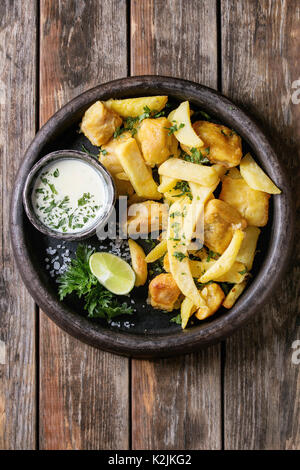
pixel 177 251
pixel 157 252
pixel 133 107
pixel 235 275
pixel 200 196
pixel 181 117
pixel 255 177
pixel 247 251
pixel 234 294
pixel 186 311
pixel 226 260
pixel 203 175
pixel 166 184
pixel 138 262
pixel 134 166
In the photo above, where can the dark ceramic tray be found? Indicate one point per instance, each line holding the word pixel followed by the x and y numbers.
pixel 148 332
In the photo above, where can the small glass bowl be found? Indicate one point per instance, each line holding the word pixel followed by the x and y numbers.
pixel 63 155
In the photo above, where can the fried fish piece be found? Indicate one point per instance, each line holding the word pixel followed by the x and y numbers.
pixel 147 217
pixel 225 146
pixel 155 142
pixel 253 205
pixel 214 296
pixel 99 123
pixel 163 292
pixel 220 221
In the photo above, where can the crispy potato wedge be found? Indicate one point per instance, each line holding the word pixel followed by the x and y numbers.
pixel 226 260
pixel 164 292
pixel 214 297
pixel 253 205
pixel 166 184
pixel 234 294
pixel 111 162
pixel 185 134
pixel 255 177
pixel 193 223
pixel 134 166
pixel 235 275
pixel 166 264
pixel 99 123
pixel 186 311
pixel 133 107
pixel 179 261
pixel 203 175
pixel 138 262
pixel 247 251
pixel 157 252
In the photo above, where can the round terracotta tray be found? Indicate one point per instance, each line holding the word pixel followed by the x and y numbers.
pixel 149 333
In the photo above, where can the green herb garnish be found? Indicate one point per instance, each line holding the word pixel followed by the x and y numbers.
pixel 78 279
pixel 178 255
pixel 211 255
pixel 184 187
pixel 84 199
pixel 174 128
pixel 244 271
pixel 85 150
pixel 226 287
pixel 196 156
pixel 103 151
pixel 176 319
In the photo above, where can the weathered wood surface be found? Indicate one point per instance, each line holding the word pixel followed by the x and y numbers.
pixel 17 311
pixel 84 400
pixel 176 403
pixel 260 62
pixel 83 391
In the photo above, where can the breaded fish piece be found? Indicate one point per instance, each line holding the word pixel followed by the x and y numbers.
pixel 225 146
pixel 99 123
pixel 220 221
pixel 214 297
pixel 155 142
pixel 253 205
pixel 163 292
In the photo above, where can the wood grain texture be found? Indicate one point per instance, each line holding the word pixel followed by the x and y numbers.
pixel 176 403
pixel 17 311
pixel 83 391
pixel 260 50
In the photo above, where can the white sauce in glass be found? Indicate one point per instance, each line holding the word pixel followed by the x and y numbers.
pixel 69 196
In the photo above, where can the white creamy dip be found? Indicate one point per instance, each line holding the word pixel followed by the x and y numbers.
pixel 69 196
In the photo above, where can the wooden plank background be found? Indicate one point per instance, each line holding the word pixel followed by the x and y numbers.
pixel 55 392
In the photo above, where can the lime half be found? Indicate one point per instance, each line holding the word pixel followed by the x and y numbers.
pixel 112 272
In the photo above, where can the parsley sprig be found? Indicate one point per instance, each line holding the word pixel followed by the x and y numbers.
pixel 196 156
pixel 184 187
pixel 78 279
pixel 131 123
